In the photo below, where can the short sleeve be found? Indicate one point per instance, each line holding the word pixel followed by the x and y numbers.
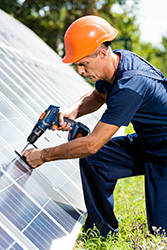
pixel 121 107
pixel 99 85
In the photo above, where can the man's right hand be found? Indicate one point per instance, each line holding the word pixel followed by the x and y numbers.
pixel 64 126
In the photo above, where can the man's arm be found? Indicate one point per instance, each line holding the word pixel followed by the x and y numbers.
pixel 89 103
pixel 78 148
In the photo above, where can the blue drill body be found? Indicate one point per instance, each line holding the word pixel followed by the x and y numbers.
pixel 49 119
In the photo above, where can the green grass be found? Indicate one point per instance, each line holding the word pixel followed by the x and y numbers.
pixel 131 214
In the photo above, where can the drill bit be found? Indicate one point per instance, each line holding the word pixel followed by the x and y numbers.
pixel 25 148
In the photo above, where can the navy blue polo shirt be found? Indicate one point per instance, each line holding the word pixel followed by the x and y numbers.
pixel 137 98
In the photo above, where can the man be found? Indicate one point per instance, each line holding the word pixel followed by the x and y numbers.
pixel 134 91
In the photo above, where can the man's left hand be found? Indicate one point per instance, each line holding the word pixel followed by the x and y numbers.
pixel 34 157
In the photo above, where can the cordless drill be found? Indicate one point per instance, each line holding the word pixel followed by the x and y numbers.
pixel 49 119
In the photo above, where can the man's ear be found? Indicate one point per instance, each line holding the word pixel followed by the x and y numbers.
pixel 103 53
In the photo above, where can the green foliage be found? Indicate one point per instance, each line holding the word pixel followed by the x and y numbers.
pixel 163 55
pixel 155 55
pixel 131 215
pixel 9 6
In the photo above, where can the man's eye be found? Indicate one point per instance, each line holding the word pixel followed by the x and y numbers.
pixel 84 64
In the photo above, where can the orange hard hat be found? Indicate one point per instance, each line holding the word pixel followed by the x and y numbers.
pixel 84 36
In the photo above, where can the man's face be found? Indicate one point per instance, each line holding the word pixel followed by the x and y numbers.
pixel 91 67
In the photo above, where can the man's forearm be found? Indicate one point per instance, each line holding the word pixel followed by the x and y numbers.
pixel 78 148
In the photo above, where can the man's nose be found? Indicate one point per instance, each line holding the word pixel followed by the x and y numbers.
pixel 81 70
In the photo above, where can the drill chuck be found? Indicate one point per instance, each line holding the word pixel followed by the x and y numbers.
pixel 35 134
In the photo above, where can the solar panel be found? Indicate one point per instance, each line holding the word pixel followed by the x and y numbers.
pixel 41 208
